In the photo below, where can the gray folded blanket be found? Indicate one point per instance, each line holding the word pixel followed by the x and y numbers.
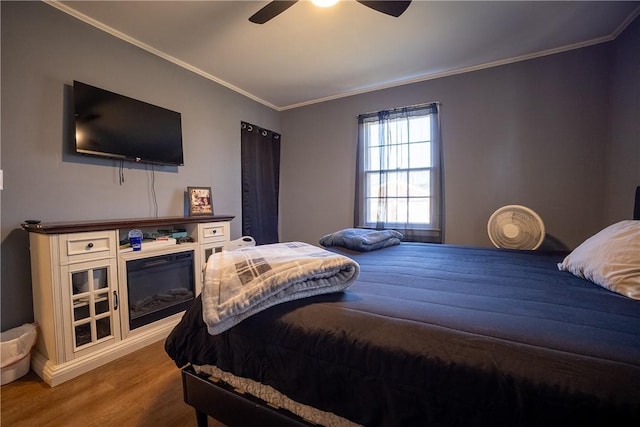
pixel 361 239
pixel 242 282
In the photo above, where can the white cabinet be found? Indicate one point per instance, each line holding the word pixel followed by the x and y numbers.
pixel 74 277
pixel 79 281
pixel 90 300
pixel 88 288
pixel 212 237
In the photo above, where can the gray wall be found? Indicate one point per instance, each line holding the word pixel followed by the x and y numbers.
pixel 43 51
pixel 623 144
pixel 535 133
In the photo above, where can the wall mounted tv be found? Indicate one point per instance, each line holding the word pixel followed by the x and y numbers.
pixel 111 125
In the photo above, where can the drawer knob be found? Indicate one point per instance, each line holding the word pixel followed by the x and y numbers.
pixel 214 231
pixel 90 245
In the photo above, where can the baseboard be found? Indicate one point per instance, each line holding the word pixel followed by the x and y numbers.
pixel 57 374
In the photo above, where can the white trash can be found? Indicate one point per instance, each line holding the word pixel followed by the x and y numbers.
pixel 15 356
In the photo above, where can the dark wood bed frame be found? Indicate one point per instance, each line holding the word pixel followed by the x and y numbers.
pixel 232 408
pixel 223 403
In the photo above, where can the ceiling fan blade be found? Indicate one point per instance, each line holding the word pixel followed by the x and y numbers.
pixel 393 8
pixel 271 10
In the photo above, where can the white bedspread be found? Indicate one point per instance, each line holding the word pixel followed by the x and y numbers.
pixel 246 281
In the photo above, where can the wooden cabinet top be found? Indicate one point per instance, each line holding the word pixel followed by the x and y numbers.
pixel 114 224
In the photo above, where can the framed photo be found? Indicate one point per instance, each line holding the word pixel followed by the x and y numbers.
pixel 200 202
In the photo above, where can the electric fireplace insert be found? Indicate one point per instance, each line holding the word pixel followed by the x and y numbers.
pixel 159 287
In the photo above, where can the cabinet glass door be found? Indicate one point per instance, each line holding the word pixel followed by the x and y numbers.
pixel 206 253
pixel 91 302
pixel 210 251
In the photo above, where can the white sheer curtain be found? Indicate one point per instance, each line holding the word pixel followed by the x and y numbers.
pixel 399 172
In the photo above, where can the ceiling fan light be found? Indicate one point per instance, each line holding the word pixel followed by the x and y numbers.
pixel 324 3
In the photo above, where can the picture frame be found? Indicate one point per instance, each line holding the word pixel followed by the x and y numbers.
pixel 200 201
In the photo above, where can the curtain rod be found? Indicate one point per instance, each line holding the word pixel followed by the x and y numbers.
pixel 400 108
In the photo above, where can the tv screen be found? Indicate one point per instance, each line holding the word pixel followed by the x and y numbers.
pixel 111 125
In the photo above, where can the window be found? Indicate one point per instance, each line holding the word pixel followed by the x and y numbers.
pixel 399 180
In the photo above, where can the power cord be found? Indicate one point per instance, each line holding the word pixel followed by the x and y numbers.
pixel 121 172
pixel 153 191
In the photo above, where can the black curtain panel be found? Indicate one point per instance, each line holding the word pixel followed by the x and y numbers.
pixel 260 183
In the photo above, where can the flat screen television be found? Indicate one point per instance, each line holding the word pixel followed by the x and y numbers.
pixel 111 125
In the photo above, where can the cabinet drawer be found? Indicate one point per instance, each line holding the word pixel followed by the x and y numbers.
pixel 87 246
pixel 214 232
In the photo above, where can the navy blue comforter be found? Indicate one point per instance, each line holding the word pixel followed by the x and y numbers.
pixel 435 335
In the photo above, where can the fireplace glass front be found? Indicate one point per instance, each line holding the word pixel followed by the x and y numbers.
pixel 159 287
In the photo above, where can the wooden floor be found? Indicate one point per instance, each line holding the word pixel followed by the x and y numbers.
pixel 138 390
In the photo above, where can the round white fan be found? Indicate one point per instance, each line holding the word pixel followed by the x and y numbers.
pixel 516 227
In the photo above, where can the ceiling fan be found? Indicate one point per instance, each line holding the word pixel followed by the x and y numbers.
pixel 275 8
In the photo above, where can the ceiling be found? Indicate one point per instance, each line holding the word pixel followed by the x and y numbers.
pixel 309 54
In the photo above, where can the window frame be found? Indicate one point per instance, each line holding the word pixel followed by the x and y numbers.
pixel 430 230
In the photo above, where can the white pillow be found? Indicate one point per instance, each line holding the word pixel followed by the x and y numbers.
pixel 610 258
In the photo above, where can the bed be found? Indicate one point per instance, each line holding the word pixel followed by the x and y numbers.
pixel 428 335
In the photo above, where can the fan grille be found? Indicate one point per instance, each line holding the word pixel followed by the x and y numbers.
pixel 516 227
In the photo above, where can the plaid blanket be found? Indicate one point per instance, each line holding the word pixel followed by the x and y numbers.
pixel 240 283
